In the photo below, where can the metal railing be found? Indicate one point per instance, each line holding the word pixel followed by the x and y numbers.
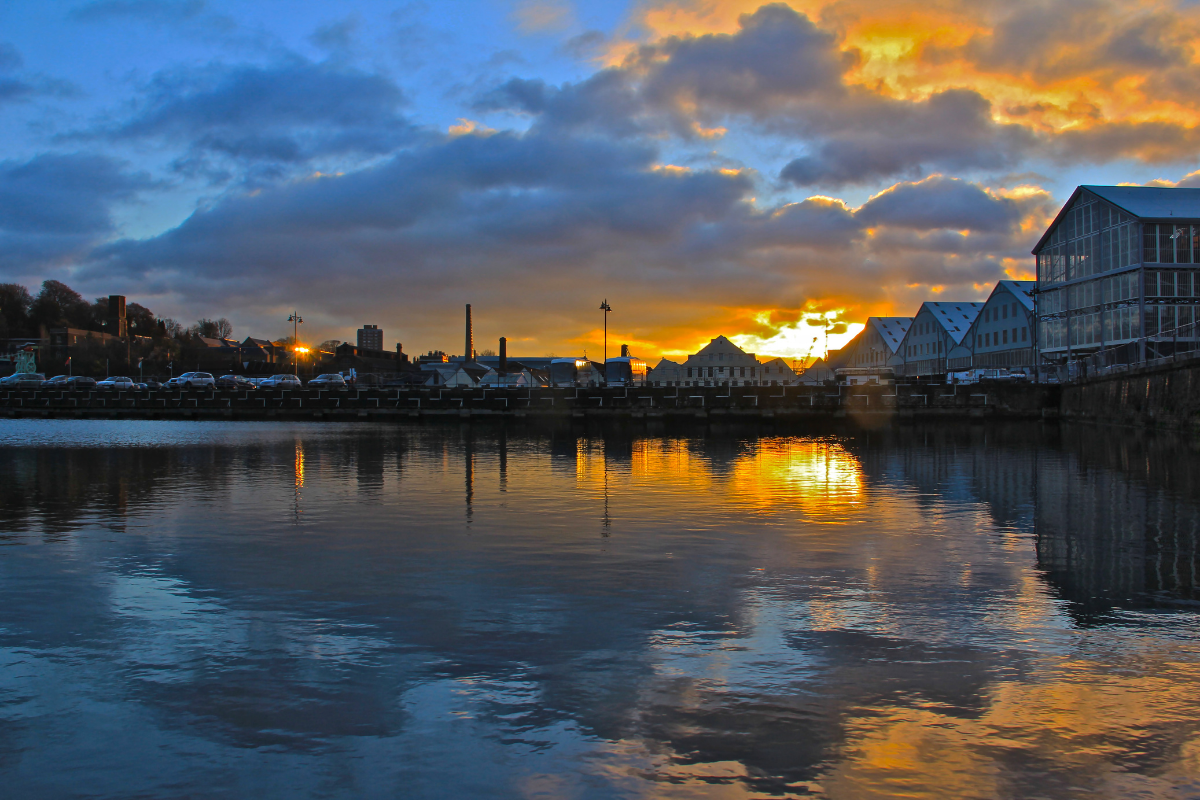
pixel 1164 347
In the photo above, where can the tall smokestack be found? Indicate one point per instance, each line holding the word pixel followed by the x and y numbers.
pixel 503 355
pixel 624 351
pixel 469 347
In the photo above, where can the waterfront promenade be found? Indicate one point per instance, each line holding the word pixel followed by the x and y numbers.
pixel 1012 400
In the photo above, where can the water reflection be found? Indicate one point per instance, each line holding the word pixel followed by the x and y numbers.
pixel 295 610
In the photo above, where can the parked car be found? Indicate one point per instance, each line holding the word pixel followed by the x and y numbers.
pixel 281 382
pixel 233 382
pixel 81 383
pixel 57 382
pixel 191 380
pixel 23 380
pixel 153 383
pixel 115 383
pixel 328 381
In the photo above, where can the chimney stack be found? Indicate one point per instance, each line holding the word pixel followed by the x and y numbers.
pixel 624 351
pixel 503 355
pixel 118 325
pixel 469 347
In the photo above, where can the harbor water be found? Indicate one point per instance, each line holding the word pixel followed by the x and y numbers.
pixel 340 610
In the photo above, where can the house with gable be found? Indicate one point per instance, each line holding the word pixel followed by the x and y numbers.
pixel 936 329
pixel 1002 336
pixel 720 363
pixel 876 344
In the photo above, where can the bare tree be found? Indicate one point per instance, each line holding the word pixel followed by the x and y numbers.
pixel 329 345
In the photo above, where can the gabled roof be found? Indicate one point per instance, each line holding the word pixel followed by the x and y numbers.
pixel 1144 202
pixel 955 318
pixel 1022 290
pixel 720 345
pixel 1151 202
pixel 890 329
pixel 778 362
pixel 666 362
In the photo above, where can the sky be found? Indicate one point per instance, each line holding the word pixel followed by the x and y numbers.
pixel 708 167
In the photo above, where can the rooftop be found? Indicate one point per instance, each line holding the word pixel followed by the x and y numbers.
pixel 1151 201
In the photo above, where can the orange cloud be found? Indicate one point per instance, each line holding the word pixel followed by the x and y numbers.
pixel 1056 67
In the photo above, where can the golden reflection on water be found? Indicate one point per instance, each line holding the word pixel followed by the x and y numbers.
pixel 1088 730
pixel 820 479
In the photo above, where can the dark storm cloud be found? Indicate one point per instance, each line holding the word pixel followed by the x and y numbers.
pixel 58 206
pixel 289 112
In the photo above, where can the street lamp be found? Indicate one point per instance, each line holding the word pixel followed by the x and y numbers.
pixel 300 351
pixel 295 319
pixel 605 307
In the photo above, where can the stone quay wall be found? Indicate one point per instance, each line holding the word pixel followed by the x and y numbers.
pixel 871 404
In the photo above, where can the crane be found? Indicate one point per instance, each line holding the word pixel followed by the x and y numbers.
pixel 809 353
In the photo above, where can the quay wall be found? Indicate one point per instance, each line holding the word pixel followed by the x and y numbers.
pixel 869 404
pixel 1162 395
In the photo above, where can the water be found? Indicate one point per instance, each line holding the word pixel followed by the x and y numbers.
pixel 272 610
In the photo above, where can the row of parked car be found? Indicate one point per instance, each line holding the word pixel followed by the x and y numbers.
pixel 188 380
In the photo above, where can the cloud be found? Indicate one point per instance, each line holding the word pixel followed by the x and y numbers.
pixel 791 77
pixel 336 36
pixel 940 202
pixel 55 207
pixel 286 113
pixel 528 226
pixel 155 11
pixel 544 16
pixel 10 57
pixel 16 88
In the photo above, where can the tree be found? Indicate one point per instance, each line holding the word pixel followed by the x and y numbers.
pixel 224 328
pixel 15 301
pixel 171 328
pixel 205 327
pixel 329 345
pixel 141 320
pixel 58 306
pixel 487 352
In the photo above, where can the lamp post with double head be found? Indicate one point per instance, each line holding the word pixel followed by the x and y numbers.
pixel 605 307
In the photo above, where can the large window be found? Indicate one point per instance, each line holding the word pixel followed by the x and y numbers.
pixel 1093 237
pixel 1171 243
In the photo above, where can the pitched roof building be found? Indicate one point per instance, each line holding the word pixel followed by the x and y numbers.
pixel 1002 335
pixel 876 343
pixel 1118 268
pixel 936 329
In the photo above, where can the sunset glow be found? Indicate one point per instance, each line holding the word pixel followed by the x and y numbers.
pixel 711 167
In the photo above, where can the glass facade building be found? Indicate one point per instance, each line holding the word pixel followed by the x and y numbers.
pixel 1118 266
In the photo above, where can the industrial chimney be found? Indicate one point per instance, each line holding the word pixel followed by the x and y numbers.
pixel 469 347
pixel 624 351
pixel 503 355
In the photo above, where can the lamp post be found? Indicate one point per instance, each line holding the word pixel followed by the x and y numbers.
pixel 605 307
pixel 295 319
pixel 300 351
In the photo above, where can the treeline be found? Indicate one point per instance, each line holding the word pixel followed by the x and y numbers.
pixel 23 315
pixel 157 342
